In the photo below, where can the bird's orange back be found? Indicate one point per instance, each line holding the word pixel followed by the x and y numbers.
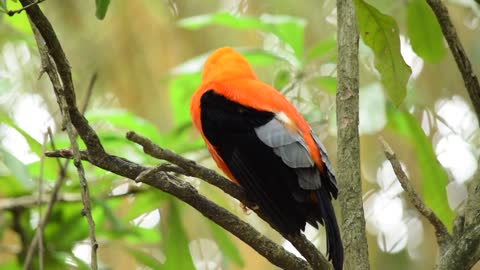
pixel 229 74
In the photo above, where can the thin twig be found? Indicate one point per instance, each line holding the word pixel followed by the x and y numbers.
pixel 469 78
pixel 441 231
pixel 18 11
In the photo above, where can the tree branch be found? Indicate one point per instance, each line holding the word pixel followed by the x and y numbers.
pixel 443 237
pixel 469 78
pixel 190 168
pixel 348 147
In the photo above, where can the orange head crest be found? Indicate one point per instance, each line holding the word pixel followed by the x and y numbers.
pixel 226 64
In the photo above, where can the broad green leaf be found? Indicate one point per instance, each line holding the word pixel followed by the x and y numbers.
pixel 17 169
pixel 434 179
pixel 226 245
pixel 287 28
pixel 322 48
pixel 101 8
pixel 380 33
pixel 145 258
pixel 176 248
pixel 424 31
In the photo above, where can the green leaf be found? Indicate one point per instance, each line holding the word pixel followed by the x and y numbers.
pixel 380 33
pixel 177 252
pixel 287 28
pixel 434 179
pixel 101 8
pixel 17 169
pixel 226 245
pixel 145 258
pixel 424 31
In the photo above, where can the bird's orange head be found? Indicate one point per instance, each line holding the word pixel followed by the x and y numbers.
pixel 226 64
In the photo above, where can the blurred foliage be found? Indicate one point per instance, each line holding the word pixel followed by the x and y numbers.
pixel 149 56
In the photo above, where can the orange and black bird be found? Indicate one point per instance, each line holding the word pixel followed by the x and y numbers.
pixel 262 143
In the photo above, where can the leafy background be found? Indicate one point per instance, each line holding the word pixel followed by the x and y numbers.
pixel 148 56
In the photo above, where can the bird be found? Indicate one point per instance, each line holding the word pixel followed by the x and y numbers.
pixel 263 144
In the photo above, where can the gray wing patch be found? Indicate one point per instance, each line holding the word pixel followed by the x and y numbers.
pixel 295 155
pixel 287 145
pixel 291 148
pixel 274 134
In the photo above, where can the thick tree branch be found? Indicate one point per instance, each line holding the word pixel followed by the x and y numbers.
pixel 469 78
pixel 190 168
pixel 348 146
pixel 305 247
pixel 443 237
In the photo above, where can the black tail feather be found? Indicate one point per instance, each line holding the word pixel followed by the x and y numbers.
pixel 334 242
